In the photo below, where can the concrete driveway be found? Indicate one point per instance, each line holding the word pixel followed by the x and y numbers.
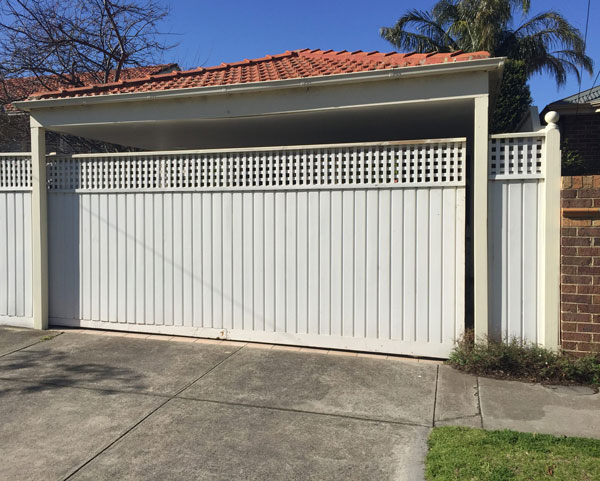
pixel 101 407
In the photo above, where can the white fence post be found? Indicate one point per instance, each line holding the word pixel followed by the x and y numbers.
pixel 549 327
pixel 39 229
pixel 480 216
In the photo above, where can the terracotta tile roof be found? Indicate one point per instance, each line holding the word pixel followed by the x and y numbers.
pixel 21 88
pixel 289 65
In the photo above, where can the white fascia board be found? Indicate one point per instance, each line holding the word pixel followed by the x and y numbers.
pixel 325 80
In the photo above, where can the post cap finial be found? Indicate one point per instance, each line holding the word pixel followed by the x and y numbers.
pixel 551 118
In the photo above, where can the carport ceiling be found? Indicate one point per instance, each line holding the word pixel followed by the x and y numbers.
pixel 427 119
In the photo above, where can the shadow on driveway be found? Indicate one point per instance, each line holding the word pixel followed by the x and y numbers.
pixel 112 364
pixel 64 372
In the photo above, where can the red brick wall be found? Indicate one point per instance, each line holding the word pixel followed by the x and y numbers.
pixel 580 266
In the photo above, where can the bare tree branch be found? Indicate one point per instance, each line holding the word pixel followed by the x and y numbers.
pixel 66 38
pixel 69 43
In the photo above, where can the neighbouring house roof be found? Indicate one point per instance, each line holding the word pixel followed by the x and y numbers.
pixel 586 102
pixel 288 65
pixel 587 96
pixel 14 89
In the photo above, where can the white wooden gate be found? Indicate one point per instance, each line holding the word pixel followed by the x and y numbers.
pixel 351 246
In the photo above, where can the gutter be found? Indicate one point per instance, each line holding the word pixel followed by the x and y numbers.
pixel 466 66
pixel 571 109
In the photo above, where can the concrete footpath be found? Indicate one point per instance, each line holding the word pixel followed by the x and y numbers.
pixel 103 406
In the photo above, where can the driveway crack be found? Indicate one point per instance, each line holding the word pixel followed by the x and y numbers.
pixel 479 403
pixel 437 378
pixel 146 416
pixel 302 411
pixel 39 341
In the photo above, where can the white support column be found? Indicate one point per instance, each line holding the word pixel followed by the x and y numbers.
pixel 480 215
pixel 39 219
pixel 550 315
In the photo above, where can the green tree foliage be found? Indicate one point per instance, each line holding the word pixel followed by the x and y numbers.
pixel 545 43
pixel 513 100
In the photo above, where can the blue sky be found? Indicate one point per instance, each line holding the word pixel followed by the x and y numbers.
pixel 210 31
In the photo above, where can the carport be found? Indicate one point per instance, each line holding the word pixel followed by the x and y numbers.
pixel 311 198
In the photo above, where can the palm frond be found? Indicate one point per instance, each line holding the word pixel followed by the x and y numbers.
pixel 412 42
pixel 417 30
pixel 546 42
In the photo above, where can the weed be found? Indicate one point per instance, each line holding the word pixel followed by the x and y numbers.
pixel 525 361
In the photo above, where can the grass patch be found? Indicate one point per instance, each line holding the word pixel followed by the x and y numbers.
pixel 457 454
pixel 517 360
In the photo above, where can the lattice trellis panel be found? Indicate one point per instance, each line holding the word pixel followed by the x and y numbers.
pixel 390 164
pixel 15 172
pixel 516 157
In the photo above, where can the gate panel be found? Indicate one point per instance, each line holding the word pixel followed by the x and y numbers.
pixel 515 224
pixel 357 247
pixel 16 306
